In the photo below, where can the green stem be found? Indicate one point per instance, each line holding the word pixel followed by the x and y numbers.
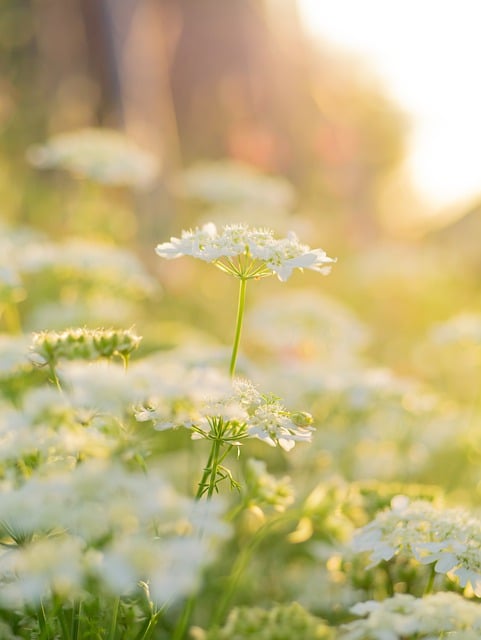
pixel 242 561
pixel 55 378
pixel 76 621
pixel 63 623
pixel 181 626
pixel 238 329
pixel 214 466
pixel 430 583
pixel 210 474
pixel 42 622
pixel 205 475
pixel 113 622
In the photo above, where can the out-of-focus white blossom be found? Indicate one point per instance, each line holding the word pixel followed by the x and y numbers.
pixel 80 260
pixel 303 326
pixel 450 539
pixel 103 155
pixel 246 252
pixel 440 615
pixel 464 327
pixel 266 489
pixel 101 523
pixel 232 183
pixel 14 354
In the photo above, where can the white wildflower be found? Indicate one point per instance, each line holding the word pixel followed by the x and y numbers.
pixel 103 155
pixel 115 527
pixel 404 616
pixel 241 413
pixel 246 252
pixel 231 183
pixel 450 539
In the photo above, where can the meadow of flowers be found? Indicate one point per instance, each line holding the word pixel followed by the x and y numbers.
pixel 200 450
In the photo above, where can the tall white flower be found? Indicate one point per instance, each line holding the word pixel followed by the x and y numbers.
pixel 246 252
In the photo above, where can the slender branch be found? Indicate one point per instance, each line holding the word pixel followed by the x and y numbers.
pixel 238 329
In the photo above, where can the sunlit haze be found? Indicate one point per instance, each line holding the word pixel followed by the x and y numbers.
pixel 427 54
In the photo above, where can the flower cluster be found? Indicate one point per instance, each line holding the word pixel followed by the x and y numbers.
pixel 102 524
pixel 103 155
pixel 244 413
pixel 246 252
pixel 233 184
pixel 281 622
pixel 404 617
pixel 84 344
pixel 448 538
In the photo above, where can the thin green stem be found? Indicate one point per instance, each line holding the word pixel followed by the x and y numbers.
pixel 238 329
pixel 242 561
pixel 63 623
pixel 76 620
pixel 113 622
pixel 55 378
pixel 209 479
pixel 183 622
pixel 205 475
pixel 430 583
pixel 42 623
pixel 214 467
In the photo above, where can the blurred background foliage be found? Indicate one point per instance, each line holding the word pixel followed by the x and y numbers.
pixel 244 119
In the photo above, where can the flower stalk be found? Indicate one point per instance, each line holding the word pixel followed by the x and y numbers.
pixel 238 328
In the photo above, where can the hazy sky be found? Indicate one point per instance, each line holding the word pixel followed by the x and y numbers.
pixel 428 52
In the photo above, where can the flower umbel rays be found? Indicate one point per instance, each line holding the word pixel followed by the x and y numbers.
pixel 246 252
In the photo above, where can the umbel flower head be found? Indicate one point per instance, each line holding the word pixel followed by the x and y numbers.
pixel 440 615
pixel 246 252
pixel 448 539
pixel 244 413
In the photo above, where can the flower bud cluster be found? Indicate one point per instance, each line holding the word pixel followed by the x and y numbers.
pixel 82 344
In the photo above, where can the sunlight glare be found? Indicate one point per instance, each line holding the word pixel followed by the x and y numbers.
pixel 427 55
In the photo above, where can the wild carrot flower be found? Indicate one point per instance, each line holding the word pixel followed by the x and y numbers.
pixel 103 155
pixel 102 525
pixel 243 413
pixel 450 539
pixel 246 252
pixel 403 616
